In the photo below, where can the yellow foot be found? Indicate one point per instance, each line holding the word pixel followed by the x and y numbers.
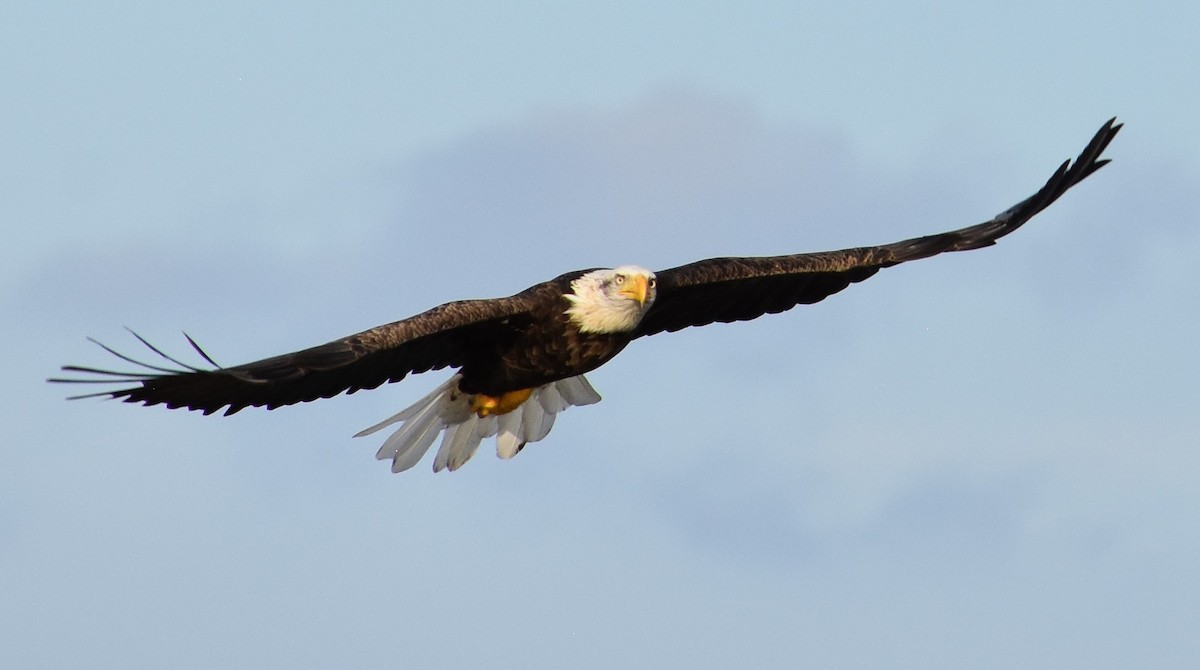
pixel 504 403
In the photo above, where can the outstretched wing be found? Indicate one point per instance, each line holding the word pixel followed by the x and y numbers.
pixel 442 337
pixel 740 289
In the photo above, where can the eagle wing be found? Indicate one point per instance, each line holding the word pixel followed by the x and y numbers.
pixel 740 289
pixel 441 337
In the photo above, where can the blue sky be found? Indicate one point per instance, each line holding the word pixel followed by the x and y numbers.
pixel 983 460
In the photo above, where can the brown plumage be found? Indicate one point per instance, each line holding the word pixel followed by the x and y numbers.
pixel 527 340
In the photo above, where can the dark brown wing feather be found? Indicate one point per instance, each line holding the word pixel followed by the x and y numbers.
pixel 441 337
pixel 739 289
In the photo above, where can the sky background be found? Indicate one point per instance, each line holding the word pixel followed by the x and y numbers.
pixel 980 460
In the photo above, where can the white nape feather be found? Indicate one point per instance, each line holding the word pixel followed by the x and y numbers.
pixel 597 305
pixel 446 410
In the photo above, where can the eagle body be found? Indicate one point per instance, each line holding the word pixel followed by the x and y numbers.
pixel 521 360
pixel 539 347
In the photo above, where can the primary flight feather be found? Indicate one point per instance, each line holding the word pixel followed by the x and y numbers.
pixel 520 360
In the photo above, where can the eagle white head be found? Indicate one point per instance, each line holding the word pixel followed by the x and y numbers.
pixel 611 301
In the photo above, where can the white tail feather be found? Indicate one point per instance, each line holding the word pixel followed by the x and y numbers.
pixel 447 411
pixel 487 426
pixel 547 424
pixel 577 391
pixel 533 420
pixel 509 438
pixel 408 435
pixel 463 451
pixel 551 400
pixel 412 410
pixel 413 452
pixel 456 437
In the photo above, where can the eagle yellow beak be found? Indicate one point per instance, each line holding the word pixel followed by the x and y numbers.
pixel 636 289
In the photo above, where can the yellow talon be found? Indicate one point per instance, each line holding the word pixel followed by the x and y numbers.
pixel 483 405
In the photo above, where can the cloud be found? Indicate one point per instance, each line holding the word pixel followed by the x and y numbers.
pixel 676 173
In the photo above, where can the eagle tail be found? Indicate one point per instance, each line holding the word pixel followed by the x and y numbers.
pixel 447 411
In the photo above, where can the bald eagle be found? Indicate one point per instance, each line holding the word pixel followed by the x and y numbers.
pixel 521 360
